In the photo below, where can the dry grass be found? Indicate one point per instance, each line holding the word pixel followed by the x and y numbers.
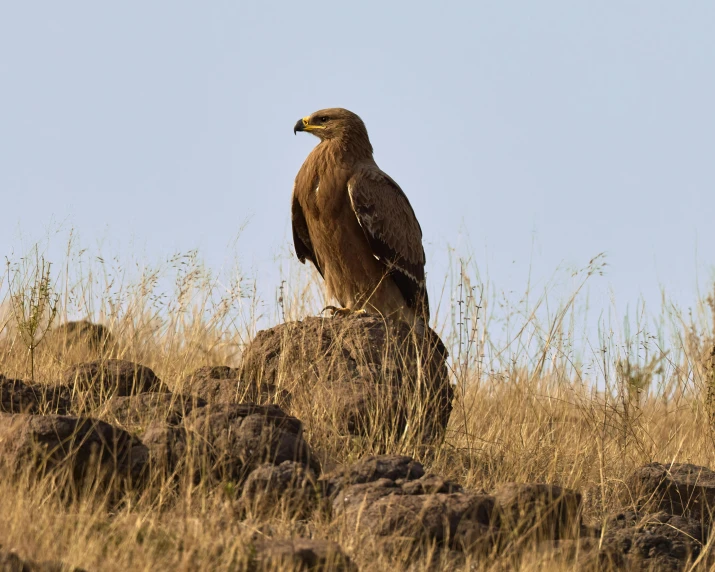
pixel 533 405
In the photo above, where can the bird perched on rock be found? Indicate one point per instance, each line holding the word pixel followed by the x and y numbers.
pixel 355 224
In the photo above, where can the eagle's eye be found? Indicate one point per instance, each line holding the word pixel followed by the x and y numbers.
pixel 324 119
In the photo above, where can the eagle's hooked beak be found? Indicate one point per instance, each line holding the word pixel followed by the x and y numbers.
pixel 301 125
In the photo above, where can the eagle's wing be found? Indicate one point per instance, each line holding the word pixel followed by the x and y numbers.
pixel 392 230
pixel 301 237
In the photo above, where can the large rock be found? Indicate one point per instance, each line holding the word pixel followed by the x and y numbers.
pixel 370 469
pixel 438 512
pixel 80 449
pixel 166 445
pixel 222 384
pixel 17 396
pixel 141 410
pixel 99 380
pixel 389 497
pixel 656 542
pixel 78 337
pixel 361 374
pixel 536 511
pixel 678 488
pixel 228 441
pixel 301 554
pixel 11 562
pixel 270 489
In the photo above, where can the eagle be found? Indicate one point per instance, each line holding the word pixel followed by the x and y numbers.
pixel 355 224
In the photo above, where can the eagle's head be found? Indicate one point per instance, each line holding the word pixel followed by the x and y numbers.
pixel 334 123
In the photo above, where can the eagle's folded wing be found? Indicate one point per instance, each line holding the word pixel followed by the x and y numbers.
pixel 301 238
pixel 392 230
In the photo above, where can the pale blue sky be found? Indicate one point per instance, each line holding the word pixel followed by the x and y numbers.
pixel 566 128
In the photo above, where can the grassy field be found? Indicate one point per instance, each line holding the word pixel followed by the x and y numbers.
pixel 535 402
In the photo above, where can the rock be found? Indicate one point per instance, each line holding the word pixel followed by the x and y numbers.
pixel 637 541
pixel 80 334
pixel 289 485
pixel 17 396
pixel 370 469
pixel 362 374
pixel 166 445
pixel 678 488
pixel 222 384
pixel 11 562
pixel 82 449
pixel 103 379
pixel 538 511
pixel 302 554
pixel 145 408
pixel 424 510
pixel 231 440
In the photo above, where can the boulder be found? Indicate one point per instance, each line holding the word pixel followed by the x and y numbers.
pixel 271 488
pixel 538 511
pixel 17 396
pixel 656 542
pixel 222 384
pixel 228 441
pixel 166 445
pixel 81 335
pixel 678 488
pixel 361 374
pixel 301 554
pixel 11 562
pixel 141 410
pixel 99 380
pixel 370 469
pixel 81 450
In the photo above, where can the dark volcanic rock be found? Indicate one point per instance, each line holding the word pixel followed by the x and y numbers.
pixel 81 334
pixel 146 408
pixel 103 379
pixel 680 489
pixel 83 448
pixel 230 440
pixel 302 554
pixel 538 510
pixel 17 396
pixel 166 446
pixel 366 373
pixel 423 509
pixel 373 468
pixel 289 485
pixel 11 562
pixel 657 542
pixel 222 384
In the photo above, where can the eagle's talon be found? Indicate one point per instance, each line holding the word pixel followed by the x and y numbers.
pixel 343 312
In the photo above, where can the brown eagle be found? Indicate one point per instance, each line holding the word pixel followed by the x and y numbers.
pixel 355 224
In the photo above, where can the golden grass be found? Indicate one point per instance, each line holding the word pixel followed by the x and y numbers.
pixel 533 405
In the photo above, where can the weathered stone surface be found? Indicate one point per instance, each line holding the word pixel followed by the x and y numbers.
pixel 372 468
pixel 146 408
pixel 231 440
pixel 428 509
pixel 17 396
pixel 361 374
pixel 11 562
pixel 289 485
pixel 80 334
pixel 166 445
pixel 222 384
pixel 103 379
pixel 638 541
pixel 538 510
pixel 302 554
pixel 679 488
pixel 84 448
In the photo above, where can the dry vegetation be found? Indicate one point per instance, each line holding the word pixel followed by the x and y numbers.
pixel 533 404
